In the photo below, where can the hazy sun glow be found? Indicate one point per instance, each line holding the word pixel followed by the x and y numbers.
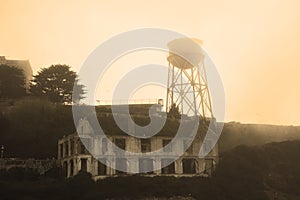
pixel 254 44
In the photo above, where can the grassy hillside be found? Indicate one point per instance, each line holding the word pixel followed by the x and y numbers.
pixel 273 167
pixel 235 134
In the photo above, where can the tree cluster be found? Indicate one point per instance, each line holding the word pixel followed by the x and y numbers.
pixel 57 83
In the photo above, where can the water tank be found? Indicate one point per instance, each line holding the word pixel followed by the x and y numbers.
pixel 185 52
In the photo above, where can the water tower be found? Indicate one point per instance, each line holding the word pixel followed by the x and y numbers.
pixel 187 83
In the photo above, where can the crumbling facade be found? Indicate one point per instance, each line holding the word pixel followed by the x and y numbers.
pixel 74 157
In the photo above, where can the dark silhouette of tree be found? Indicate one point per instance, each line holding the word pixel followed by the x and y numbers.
pixel 12 82
pixel 56 84
pixel 174 112
pixel 38 121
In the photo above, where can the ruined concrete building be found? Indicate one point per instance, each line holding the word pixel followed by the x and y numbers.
pixel 74 156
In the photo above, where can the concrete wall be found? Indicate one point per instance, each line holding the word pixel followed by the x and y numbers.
pixel 41 166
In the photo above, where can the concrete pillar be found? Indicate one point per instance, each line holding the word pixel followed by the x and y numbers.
pixel 92 166
pixel 157 165
pixel 59 151
pixel 69 147
pixel 197 166
pixel 201 165
pixel 77 165
pixel 113 170
pixel 64 149
pixel 97 146
pixel 153 144
pixel 76 143
pixel 108 170
pixel 178 166
pixel 159 143
pixel 110 146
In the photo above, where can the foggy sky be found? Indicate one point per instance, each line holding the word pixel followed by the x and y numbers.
pixel 254 44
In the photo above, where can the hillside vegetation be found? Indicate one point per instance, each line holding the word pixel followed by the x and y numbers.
pixel 259 172
pixel 30 128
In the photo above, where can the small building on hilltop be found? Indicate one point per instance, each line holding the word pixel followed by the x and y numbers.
pixel 21 64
